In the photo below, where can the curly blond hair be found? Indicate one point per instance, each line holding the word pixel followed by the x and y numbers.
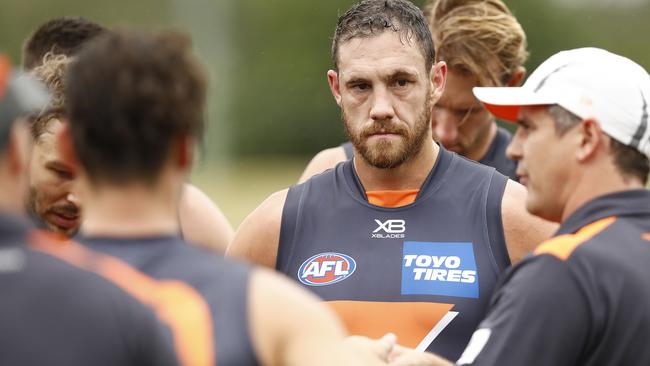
pixel 477 37
pixel 52 73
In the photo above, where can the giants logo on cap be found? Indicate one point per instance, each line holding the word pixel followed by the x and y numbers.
pixel 326 268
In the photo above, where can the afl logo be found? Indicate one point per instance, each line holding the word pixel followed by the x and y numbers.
pixel 326 268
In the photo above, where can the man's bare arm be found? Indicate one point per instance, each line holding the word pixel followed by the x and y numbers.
pixel 202 222
pixel 258 237
pixel 523 231
pixel 324 160
pixel 290 326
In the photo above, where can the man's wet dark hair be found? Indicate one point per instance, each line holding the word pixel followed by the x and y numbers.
pixel 371 18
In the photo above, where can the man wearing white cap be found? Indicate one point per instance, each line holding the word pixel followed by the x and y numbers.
pixel 582 143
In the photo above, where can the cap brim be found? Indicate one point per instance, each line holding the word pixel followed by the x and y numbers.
pixel 505 103
pixel 23 96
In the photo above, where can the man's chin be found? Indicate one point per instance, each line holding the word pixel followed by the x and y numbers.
pixel 458 149
pixel 65 231
pixel 385 162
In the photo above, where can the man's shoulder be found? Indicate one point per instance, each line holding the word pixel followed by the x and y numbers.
pixel 203 263
pixel 597 234
pixel 324 160
pixel 63 279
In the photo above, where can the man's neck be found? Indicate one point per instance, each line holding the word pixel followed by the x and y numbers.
pixel 595 183
pixel 131 211
pixel 410 175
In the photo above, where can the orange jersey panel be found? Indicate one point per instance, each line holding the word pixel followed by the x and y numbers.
pixel 562 246
pixel 392 199
pixel 410 321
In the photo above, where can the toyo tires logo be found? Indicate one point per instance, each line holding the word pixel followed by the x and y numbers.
pixel 326 268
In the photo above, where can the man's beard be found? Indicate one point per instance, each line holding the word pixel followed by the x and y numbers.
pixel 66 209
pixel 390 154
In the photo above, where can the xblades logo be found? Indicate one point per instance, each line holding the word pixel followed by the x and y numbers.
pixel 389 229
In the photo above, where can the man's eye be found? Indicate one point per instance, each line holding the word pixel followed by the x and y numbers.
pixel 402 82
pixel 524 126
pixel 361 86
pixel 63 174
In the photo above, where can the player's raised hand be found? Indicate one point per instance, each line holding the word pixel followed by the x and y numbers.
pixel 403 356
pixel 372 351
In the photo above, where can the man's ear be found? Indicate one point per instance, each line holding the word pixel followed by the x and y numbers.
pixel 517 77
pixel 333 81
pixel 184 152
pixel 438 80
pixel 591 140
pixel 65 145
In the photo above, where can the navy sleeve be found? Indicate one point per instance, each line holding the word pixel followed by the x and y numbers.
pixel 538 316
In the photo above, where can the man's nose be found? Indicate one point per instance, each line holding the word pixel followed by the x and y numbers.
pixel 382 105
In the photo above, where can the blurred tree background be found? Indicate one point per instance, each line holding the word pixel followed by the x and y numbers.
pixel 270 108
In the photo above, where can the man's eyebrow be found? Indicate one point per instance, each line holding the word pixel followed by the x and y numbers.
pixel 356 79
pixel 58 165
pixel 524 120
pixel 402 73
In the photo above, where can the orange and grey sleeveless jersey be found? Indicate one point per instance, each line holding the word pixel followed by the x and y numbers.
pixel 203 296
pixel 52 312
pixel 582 298
pixel 424 271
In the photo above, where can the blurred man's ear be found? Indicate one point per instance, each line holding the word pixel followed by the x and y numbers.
pixel 184 152
pixel 65 146
pixel 335 87
pixel 517 77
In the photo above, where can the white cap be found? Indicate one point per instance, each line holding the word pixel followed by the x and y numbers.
pixel 592 84
pixel 20 95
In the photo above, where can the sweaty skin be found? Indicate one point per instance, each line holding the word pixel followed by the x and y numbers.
pixel 202 222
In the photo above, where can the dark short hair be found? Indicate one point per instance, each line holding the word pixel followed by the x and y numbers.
pixel 130 97
pixel 370 18
pixel 628 160
pixel 63 35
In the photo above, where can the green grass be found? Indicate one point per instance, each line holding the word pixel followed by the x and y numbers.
pixel 238 186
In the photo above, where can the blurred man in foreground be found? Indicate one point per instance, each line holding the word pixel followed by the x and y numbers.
pixel 53 201
pixel 136 111
pixel 482 44
pixel 51 311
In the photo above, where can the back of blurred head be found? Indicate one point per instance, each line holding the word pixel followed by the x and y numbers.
pixel 135 103
pixel 20 96
pixel 63 36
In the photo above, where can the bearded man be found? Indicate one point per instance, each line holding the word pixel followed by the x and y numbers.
pixel 406 237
